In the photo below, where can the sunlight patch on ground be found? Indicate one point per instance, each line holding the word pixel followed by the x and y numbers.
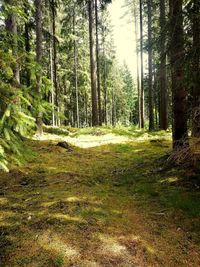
pixel 3 201
pixel 147 247
pixel 53 242
pixel 110 245
pixel 68 218
pixel 89 264
pixel 6 214
pixel 85 141
pixel 169 180
pixel 83 199
pixel 48 204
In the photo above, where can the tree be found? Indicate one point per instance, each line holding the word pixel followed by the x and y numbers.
pixel 179 92
pixel 95 120
pixel 196 69
pixel 98 63
pixel 162 72
pixel 11 27
pixel 150 82
pixel 142 71
pixel 38 18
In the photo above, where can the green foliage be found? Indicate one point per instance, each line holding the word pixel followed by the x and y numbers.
pixel 16 121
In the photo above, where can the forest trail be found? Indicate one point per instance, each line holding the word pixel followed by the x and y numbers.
pixel 108 205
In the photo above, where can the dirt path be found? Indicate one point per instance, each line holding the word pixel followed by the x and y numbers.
pixel 100 206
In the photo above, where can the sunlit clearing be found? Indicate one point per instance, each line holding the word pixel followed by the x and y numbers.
pixel 85 141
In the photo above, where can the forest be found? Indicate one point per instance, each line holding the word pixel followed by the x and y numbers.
pixel 99 133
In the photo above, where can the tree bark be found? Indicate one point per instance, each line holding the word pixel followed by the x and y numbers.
pixel 93 64
pixel 163 75
pixel 27 44
pixel 142 72
pixel 179 93
pixel 196 69
pixel 98 63
pixel 150 60
pixel 75 71
pixel 11 28
pixel 57 93
pixel 39 39
pixel 138 75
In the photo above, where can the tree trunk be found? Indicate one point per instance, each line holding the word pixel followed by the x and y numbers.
pixel 179 93
pixel 196 69
pixel 57 96
pixel 38 18
pixel 138 75
pixel 75 71
pixel 52 83
pixel 98 65
pixel 150 55
pixel 27 44
pixel 11 28
pixel 142 72
pixel 163 75
pixel 93 64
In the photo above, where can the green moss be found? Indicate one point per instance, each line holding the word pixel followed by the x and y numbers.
pixel 114 191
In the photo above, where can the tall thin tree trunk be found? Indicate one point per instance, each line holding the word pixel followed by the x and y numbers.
pixel 52 84
pixel 98 63
pixel 93 64
pixel 179 93
pixel 113 111
pixel 138 75
pixel 196 69
pixel 142 71
pixel 38 17
pixel 104 78
pixel 75 72
pixel 150 59
pixel 27 44
pixel 57 93
pixel 163 74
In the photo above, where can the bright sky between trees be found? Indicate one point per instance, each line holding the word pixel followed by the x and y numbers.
pixel 124 36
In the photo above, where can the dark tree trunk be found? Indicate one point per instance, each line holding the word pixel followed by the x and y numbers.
pixel 196 69
pixel 27 44
pixel 11 28
pixel 98 65
pixel 150 56
pixel 179 93
pixel 142 72
pixel 163 75
pixel 38 18
pixel 93 64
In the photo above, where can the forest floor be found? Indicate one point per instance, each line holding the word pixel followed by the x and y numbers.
pixel 102 203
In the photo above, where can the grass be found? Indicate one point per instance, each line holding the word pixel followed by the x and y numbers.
pixel 102 206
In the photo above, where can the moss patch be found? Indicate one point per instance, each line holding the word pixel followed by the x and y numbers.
pixel 110 205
